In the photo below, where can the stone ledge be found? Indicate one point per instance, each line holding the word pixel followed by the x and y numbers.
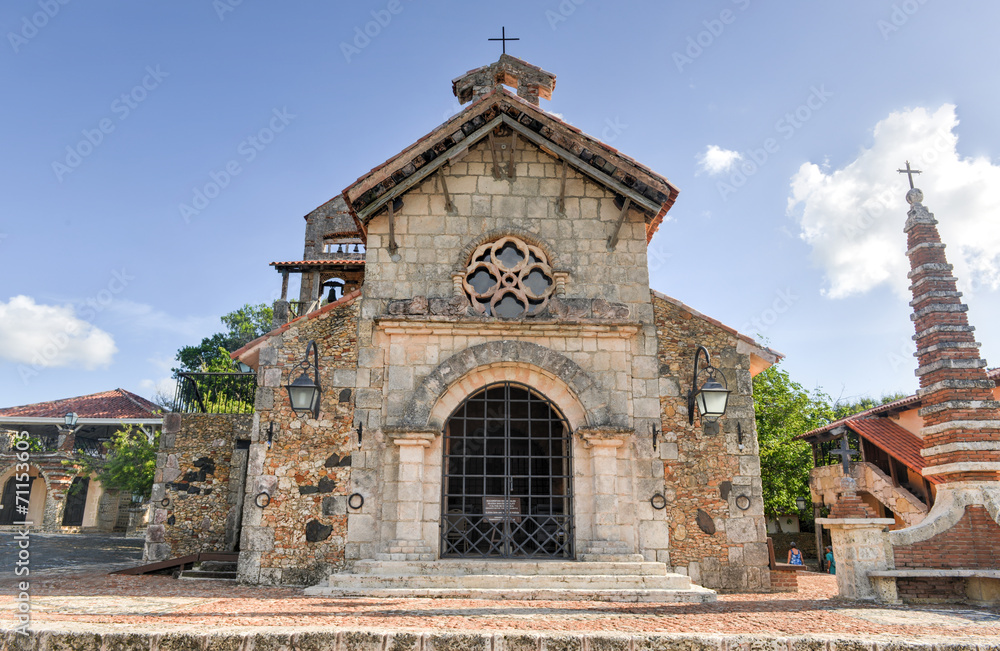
pixel 921 574
pixel 500 328
pixel 362 639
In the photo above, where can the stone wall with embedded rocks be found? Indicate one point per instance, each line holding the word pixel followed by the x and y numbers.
pixel 192 497
pixel 299 470
pixel 717 537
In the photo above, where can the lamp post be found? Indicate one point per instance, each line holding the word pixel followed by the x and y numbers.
pixel 70 420
pixel 801 503
pixel 712 397
pixel 304 392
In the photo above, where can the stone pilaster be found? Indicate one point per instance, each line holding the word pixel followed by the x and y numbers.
pixel 409 543
pixel 609 540
pixel 961 430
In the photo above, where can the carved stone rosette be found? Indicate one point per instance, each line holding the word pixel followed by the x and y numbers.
pixel 509 278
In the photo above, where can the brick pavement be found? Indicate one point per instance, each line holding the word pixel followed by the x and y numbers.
pixel 65 600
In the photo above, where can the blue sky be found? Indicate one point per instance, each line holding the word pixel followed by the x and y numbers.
pixel 782 126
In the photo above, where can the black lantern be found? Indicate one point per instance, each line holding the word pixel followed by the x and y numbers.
pixel 712 397
pixel 70 420
pixel 801 503
pixel 304 392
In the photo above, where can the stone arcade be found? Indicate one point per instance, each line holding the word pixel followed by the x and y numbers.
pixel 504 399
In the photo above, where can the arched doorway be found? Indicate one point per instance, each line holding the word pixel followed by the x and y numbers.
pixel 507 477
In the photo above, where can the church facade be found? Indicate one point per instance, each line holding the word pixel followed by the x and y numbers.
pixel 497 380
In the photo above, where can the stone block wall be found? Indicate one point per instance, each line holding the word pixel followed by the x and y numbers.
pixel 192 497
pixel 298 538
pixel 972 543
pixel 713 540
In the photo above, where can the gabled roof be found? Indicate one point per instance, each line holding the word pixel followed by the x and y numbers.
pixel 117 403
pixel 649 192
pixel 761 357
pixel 903 404
pixel 892 438
pixel 249 353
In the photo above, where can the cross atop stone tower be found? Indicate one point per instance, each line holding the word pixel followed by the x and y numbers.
pixel 530 81
pixel 961 431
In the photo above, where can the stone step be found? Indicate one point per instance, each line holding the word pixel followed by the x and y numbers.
pixel 611 558
pixel 365 582
pixel 216 566
pixel 695 594
pixel 461 567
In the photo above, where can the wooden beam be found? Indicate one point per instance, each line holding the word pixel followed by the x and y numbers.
pixel 448 205
pixel 392 231
pixel 511 173
pixel 493 152
pixel 613 240
pixel 561 202
pixel 369 211
pixel 315 285
pixel 582 166
pixel 284 284
pixel 820 552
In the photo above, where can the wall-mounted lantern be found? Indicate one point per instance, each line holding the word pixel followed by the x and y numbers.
pixel 801 503
pixel 304 392
pixel 712 397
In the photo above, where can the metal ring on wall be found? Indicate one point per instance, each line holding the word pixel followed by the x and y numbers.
pixel 742 502
pixel 262 503
pixel 165 501
pixel 658 501
pixel 356 503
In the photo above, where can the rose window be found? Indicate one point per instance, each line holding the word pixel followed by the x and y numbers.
pixel 509 279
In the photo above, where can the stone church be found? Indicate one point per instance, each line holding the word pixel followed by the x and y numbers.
pixel 503 402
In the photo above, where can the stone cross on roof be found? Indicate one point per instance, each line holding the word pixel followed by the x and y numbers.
pixel 909 173
pixel 845 453
pixel 503 38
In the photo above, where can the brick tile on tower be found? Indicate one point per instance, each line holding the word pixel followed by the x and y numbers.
pixel 961 430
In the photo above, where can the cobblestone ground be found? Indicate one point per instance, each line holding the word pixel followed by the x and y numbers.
pixel 85 599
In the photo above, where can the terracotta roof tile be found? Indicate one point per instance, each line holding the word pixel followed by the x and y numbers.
pixel 314 263
pixel 900 443
pixel 117 403
pixel 909 402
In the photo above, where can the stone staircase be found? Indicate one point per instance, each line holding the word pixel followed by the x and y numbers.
pixel 622 581
pixel 211 570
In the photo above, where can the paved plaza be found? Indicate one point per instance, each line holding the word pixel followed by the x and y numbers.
pixel 149 611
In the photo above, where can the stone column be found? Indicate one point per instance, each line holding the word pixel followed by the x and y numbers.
pixel 409 543
pixel 608 542
pixel 860 544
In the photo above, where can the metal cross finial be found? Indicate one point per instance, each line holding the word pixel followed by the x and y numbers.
pixel 503 39
pixel 909 173
pixel 845 453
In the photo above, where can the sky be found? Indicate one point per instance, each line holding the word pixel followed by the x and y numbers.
pixel 158 155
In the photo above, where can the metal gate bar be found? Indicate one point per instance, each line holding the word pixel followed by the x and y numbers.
pixel 507 477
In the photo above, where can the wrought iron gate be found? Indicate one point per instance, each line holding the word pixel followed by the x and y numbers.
pixel 507 477
pixel 76 502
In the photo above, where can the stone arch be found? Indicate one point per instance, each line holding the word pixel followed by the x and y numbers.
pixel 463 257
pixel 567 384
pixel 49 507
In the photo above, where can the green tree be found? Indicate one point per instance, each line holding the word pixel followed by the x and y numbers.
pixel 844 409
pixel 129 465
pixel 783 411
pixel 212 354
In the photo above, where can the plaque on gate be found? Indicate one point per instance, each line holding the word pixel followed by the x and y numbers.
pixel 496 509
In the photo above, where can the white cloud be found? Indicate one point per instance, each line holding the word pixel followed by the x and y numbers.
pixel 853 216
pixel 141 317
pixel 51 335
pixel 717 160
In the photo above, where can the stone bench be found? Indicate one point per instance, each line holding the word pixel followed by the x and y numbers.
pixel 981 587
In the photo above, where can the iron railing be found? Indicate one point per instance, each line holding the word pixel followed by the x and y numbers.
pixel 215 393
